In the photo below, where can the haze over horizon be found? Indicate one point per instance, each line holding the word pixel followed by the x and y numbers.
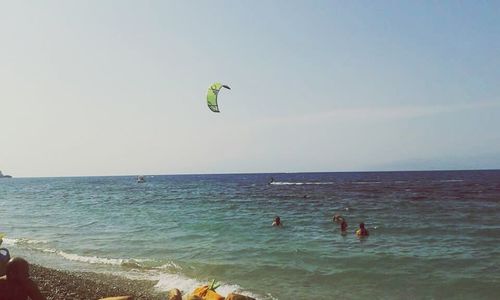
pixel 118 87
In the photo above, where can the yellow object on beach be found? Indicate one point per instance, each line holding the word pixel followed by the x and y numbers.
pixel 207 294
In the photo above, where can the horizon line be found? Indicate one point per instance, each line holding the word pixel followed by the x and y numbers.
pixel 255 173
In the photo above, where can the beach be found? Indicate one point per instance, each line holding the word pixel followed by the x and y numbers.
pixel 63 285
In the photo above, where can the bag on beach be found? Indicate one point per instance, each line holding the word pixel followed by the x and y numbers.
pixel 208 292
pixel 4 259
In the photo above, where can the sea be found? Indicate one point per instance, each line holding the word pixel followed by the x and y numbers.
pixel 433 235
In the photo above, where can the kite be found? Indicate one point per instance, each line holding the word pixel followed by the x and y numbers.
pixel 212 95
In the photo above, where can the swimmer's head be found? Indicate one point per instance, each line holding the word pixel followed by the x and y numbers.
pixel 17 269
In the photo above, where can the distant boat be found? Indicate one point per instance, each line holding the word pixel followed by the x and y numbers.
pixel 4 176
pixel 140 179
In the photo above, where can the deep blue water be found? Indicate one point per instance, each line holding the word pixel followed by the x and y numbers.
pixel 433 235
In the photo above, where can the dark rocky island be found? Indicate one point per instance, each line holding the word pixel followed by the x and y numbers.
pixel 4 176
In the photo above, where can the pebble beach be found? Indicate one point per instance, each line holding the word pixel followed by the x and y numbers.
pixel 64 285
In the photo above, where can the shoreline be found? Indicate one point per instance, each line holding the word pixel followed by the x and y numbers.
pixel 60 285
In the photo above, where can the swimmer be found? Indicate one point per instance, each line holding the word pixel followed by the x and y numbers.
pixel 277 221
pixel 343 227
pixel 362 230
pixel 337 218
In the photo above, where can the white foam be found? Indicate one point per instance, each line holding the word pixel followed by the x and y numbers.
pixel 22 241
pixel 47 250
pixel 300 183
pixel 169 281
pixel 169 265
pixel 271 297
pixel 102 260
pixel 91 259
pixel 8 242
pixel 451 180
pixel 31 244
pixel 225 289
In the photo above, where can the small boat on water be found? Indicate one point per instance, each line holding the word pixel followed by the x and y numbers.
pixel 140 179
pixel 4 176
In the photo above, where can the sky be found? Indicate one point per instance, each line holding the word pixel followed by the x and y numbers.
pixel 118 87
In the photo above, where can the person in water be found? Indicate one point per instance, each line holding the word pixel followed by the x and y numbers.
pixel 17 284
pixel 338 218
pixel 362 230
pixel 343 226
pixel 277 221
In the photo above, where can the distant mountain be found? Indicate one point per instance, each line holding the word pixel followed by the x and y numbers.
pixel 472 162
pixel 4 176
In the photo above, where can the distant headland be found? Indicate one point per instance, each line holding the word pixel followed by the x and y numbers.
pixel 4 176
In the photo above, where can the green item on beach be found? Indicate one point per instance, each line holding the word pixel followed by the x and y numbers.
pixel 214 285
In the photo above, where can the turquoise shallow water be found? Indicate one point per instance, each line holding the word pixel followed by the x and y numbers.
pixel 434 235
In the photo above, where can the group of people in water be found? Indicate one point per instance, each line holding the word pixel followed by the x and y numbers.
pixel 338 219
pixel 361 231
pixel 16 284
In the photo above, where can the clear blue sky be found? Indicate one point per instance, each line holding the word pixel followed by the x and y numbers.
pixel 118 87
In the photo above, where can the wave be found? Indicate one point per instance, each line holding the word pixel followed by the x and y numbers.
pixel 125 262
pixel 22 241
pixel 167 275
pixel 451 180
pixel 168 266
pixel 35 246
pixel 299 183
pixel 101 260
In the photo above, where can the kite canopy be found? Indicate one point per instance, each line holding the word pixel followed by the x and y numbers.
pixel 212 94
